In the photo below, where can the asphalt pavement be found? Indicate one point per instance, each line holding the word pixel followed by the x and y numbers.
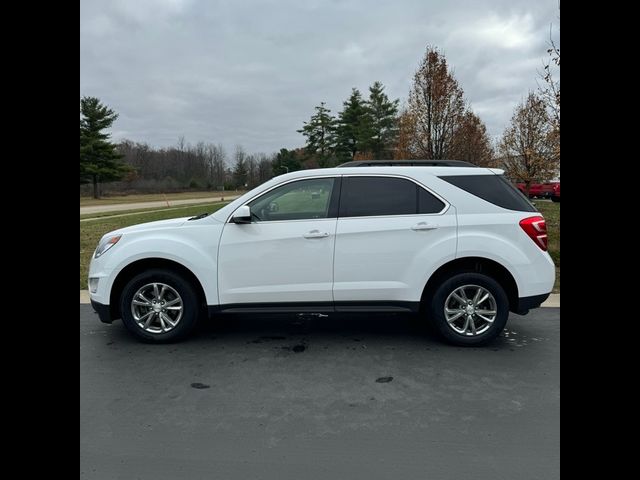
pixel 347 397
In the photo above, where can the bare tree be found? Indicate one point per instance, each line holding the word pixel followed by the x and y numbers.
pixel 550 89
pixel 265 167
pixel 527 147
pixel 240 170
pixel 216 161
pixel 252 171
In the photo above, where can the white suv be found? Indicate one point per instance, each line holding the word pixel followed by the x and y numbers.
pixel 457 244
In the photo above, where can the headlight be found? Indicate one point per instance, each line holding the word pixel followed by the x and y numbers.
pixel 105 244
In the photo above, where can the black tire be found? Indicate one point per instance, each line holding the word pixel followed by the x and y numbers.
pixel 555 199
pixel 437 305
pixel 190 305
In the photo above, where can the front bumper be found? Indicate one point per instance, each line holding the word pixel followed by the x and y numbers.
pixel 103 311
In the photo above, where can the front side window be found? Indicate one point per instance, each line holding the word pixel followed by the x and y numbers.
pixel 373 196
pixel 301 200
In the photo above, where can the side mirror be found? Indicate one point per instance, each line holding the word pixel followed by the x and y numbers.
pixel 242 215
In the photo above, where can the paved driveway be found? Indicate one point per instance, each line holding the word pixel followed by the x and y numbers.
pixel 345 398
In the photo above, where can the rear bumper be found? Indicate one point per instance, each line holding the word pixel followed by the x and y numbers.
pixel 103 311
pixel 527 303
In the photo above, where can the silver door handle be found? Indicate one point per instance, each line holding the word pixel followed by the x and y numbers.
pixel 424 226
pixel 315 234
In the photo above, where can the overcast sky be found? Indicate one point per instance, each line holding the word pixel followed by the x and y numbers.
pixel 250 72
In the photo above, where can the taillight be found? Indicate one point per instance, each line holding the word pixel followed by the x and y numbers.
pixel 536 228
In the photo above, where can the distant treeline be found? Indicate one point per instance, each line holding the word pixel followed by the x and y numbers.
pixel 203 166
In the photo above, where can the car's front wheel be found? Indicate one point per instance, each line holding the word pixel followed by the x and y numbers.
pixel 469 309
pixel 159 306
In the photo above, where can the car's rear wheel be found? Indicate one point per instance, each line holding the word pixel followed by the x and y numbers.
pixel 159 306
pixel 469 309
pixel 555 199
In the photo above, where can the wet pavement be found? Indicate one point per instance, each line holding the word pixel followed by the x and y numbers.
pixel 345 397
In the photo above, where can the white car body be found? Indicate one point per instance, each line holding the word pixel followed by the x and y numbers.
pixel 367 263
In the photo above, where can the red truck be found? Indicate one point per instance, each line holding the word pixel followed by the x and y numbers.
pixel 539 190
pixel 555 195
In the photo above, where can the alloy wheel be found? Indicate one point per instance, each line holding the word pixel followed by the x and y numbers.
pixel 470 310
pixel 157 307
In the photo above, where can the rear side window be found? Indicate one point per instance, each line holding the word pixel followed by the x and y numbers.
pixel 370 196
pixel 428 203
pixel 494 189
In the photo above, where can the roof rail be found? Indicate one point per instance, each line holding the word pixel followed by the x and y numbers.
pixel 407 163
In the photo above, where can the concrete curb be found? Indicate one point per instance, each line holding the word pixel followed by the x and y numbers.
pixel 84 296
pixel 552 301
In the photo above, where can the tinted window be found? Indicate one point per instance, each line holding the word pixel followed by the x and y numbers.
pixel 300 200
pixel 492 188
pixel 368 196
pixel 428 203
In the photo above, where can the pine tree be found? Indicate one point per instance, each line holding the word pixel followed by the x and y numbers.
pixel 354 126
pixel 383 122
pixel 286 161
pixel 99 160
pixel 320 131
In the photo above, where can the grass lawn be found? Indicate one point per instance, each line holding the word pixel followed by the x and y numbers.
pixel 551 213
pixel 152 197
pixel 92 231
pixel 177 211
